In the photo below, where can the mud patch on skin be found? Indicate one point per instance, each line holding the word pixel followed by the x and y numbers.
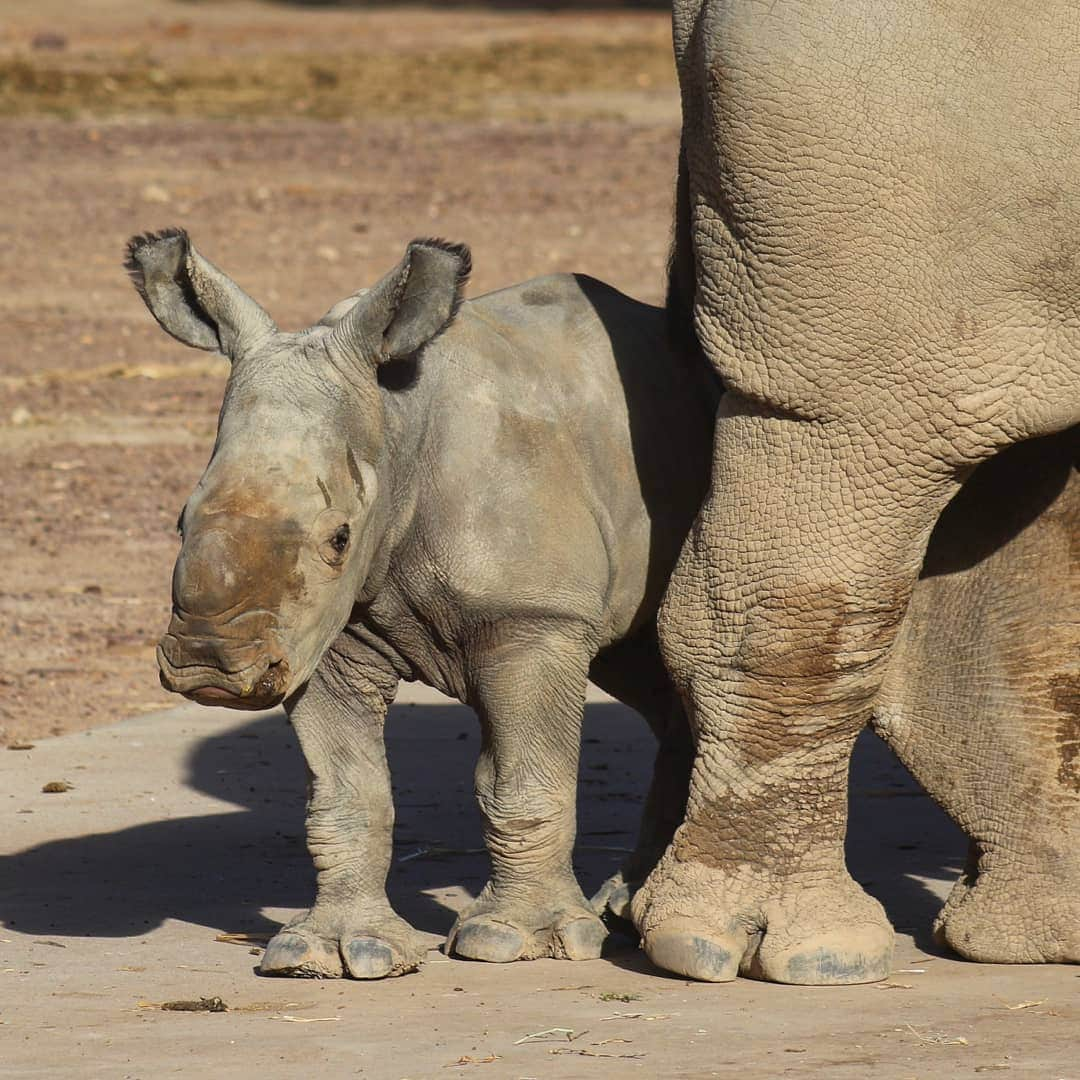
pixel 711 834
pixel 1065 696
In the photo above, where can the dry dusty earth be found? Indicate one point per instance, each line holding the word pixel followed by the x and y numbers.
pixel 184 826
pixel 303 146
pixel 545 141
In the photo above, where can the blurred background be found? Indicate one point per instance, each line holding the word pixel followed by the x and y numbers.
pixel 302 144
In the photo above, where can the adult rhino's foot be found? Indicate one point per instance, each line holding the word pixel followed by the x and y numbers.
pixel 1004 919
pixel 556 926
pixel 702 924
pixel 319 947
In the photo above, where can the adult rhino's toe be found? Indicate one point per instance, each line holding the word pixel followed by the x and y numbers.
pixel 842 957
pixel 683 948
pixel 486 938
pixel 370 958
pixel 580 938
pixel 303 955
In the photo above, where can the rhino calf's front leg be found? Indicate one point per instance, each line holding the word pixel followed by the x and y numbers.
pixel 351 929
pixel 528 687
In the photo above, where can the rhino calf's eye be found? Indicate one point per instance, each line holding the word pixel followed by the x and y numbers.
pixel 340 540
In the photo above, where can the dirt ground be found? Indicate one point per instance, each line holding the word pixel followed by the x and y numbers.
pixel 546 141
pixel 184 827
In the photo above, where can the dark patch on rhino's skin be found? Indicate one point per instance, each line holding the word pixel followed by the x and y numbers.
pixel 354 472
pixel 712 835
pixel 823 966
pixel 539 296
pixel 1065 695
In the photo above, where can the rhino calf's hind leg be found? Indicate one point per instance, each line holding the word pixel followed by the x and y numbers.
pixel 528 686
pixel 351 929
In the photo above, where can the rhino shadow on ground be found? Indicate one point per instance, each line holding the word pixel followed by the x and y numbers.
pixel 220 870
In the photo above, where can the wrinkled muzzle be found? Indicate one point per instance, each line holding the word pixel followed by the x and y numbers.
pixel 222 646
pixel 212 665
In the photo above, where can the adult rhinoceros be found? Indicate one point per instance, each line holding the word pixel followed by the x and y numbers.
pixel 877 241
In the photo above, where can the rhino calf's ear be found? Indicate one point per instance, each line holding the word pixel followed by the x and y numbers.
pixel 428 295
pixel 190 298
pixel 410 306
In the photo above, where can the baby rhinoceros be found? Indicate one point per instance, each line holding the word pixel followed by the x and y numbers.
pixel 487 496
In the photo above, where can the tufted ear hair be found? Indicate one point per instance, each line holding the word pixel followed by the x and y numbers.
pixel 191 298
pixel 410 306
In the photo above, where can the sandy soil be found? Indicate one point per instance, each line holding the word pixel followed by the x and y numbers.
pixel 546 141
pixel 185 826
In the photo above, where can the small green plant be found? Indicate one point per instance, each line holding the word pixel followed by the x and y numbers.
pixel 610 995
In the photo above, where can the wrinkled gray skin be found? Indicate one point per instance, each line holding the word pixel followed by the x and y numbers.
pixel 877 245
pixel 496 517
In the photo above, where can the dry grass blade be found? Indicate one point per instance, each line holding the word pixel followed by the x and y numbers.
pixel 556 1034
pixel 937 1038
pixel 635 1016
pixel 465 1059
pixel 437 852
pixel 303 1019
pixel 240 938
pixel 586 1052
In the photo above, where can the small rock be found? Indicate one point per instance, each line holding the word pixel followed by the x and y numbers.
pixel 55 787
pixel 21 416
pixel 155 193
pixel 330 254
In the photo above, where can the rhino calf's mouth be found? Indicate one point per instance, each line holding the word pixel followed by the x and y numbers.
pixel 208 685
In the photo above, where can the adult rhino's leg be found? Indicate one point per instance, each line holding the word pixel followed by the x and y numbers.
pixel 528 686
pixel 982 701
pixel 777 626
pixel 351 929
pixel 634 672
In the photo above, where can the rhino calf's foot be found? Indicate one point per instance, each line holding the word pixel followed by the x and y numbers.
pixel 700 923
pixel 520 929
pixel 357 948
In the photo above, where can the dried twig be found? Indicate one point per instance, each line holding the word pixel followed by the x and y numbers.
pixel 240 938
pixel 560 1035
pixel 585 1052
pixel 937 1038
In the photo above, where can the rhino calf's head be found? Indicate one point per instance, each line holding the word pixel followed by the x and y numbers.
pixel 279 534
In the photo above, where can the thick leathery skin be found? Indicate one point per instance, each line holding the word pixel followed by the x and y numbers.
pixel 884 214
